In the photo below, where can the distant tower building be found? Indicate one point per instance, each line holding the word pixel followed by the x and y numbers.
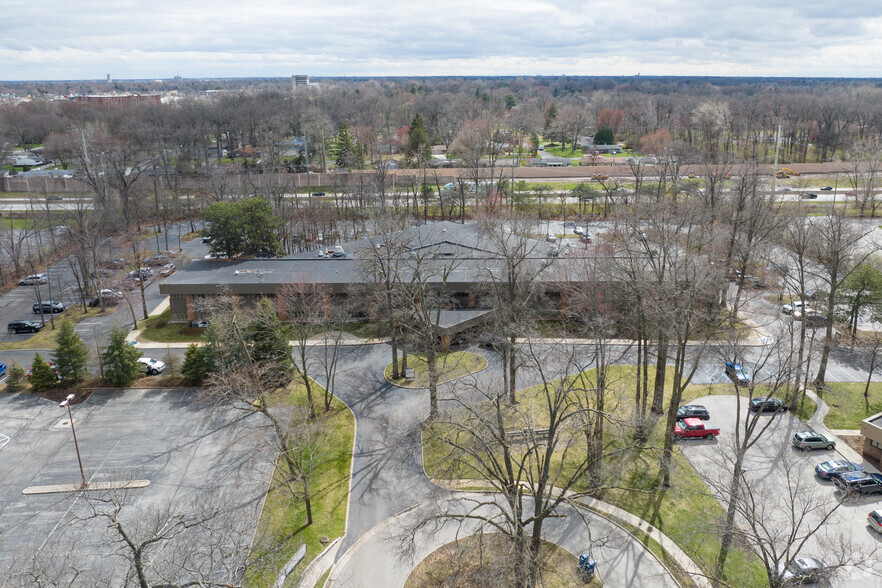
pixel 109 79
pixel 299 81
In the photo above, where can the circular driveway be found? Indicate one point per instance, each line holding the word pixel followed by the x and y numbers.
pixel 378 558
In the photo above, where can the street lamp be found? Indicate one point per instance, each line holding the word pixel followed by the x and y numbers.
pixel 66 403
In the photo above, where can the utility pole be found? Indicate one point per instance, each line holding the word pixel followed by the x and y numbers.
pixel 775 171
pixel 66 403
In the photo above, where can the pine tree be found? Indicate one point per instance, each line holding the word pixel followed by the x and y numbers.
pixel 346 153
pixel 550 116
pixel 121 366
pixel 418 146
pixel 42 376
pixel 268 339
pixel 193 371
pixel 15 379
pixel 71 356
pixel 604 136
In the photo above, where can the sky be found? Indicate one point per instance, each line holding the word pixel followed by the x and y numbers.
pixel 134 39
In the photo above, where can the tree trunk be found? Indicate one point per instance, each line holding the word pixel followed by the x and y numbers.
pixel 729 528
pixel 661 364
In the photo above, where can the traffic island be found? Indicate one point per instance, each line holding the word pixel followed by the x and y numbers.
pixel 93 487
pixel 479 560
pixel 449 366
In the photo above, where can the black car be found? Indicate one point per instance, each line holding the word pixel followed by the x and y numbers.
pixel 767 404
pixel 17 327
pixel 827 188
pixel 695 411
pixel 859 483
pixel 198 324
pixel 808 196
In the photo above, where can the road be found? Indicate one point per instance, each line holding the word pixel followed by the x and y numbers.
pixel 777 471
pixel 374 561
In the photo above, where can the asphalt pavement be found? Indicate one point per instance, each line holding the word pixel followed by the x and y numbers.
pixel 784 482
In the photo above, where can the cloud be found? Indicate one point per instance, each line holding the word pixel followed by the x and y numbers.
pixel 197 38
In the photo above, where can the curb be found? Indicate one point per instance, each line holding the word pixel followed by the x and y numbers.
pixel 816 422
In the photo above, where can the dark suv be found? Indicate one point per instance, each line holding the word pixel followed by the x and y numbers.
pixel 49 306
pixel 24 327
pixel 695 411
pixel 859 483
pixel 767 405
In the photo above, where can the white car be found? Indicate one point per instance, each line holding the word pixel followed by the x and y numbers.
pixel 152 366
pixel 579 230
pixel 33 279
pixel 798 306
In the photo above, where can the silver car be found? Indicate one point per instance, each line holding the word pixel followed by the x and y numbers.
pixel 33 279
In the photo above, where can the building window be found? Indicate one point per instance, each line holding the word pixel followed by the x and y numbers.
pixel 876 444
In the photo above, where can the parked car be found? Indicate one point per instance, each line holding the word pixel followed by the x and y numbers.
pixel 579 230
pixel 806 440
pixel 16 327
pixel 804 570
pixel 795 306
pixel 693 411
pixel 106 297
pixel 862 483
pixel 167 270
pixel 875 520
pixel 764 404
pixel 33 279
pixel 319 194
pixel 695 428
pixel 55 197
pixel 130 283
pixel 551 237
pixel 808 196
pixel 48 306
pixel 737 374
pixel 144 273
pixel 207 239
pixel 827 188
pixel 828 470
pixel 2 369
pixel 198 324
pixel 152 367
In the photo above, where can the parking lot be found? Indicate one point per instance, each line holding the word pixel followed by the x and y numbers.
pixel 768 464
pixel 189 454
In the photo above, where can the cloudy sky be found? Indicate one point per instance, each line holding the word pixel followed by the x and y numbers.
pixel 86 39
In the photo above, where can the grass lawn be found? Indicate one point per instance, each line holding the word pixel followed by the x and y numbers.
pixel 449 365
pixel 636 476
pixel 283 519
pixel 191 235
pixel 564 152
pixel 45 339
pixel 848 406
pixel 159 329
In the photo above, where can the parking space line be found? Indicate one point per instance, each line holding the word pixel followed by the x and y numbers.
pixel 3 440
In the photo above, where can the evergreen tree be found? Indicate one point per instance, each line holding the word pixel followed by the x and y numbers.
pixel 121 366
pixel 534 141
pixel 71 358
pixel 346 152
pixel 15 379
pixel 604 136
pixel 243 227
pixel 418 147
pixel 268 339
pixel 42 376
pixel 510 101
pixel 193 371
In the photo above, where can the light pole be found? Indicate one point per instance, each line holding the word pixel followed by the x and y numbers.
pixel 66 403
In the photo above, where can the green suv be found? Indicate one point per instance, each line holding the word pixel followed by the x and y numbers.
pixel 810 440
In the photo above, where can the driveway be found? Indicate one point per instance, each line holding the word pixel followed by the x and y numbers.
pixel 163 436
pixel 375 560
pixel 846 532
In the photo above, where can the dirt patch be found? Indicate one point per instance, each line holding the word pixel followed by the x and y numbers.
pixel 481 561
pixel 856 442
pixel 59 394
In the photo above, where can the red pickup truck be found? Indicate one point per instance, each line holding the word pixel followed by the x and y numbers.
pixel 697 428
